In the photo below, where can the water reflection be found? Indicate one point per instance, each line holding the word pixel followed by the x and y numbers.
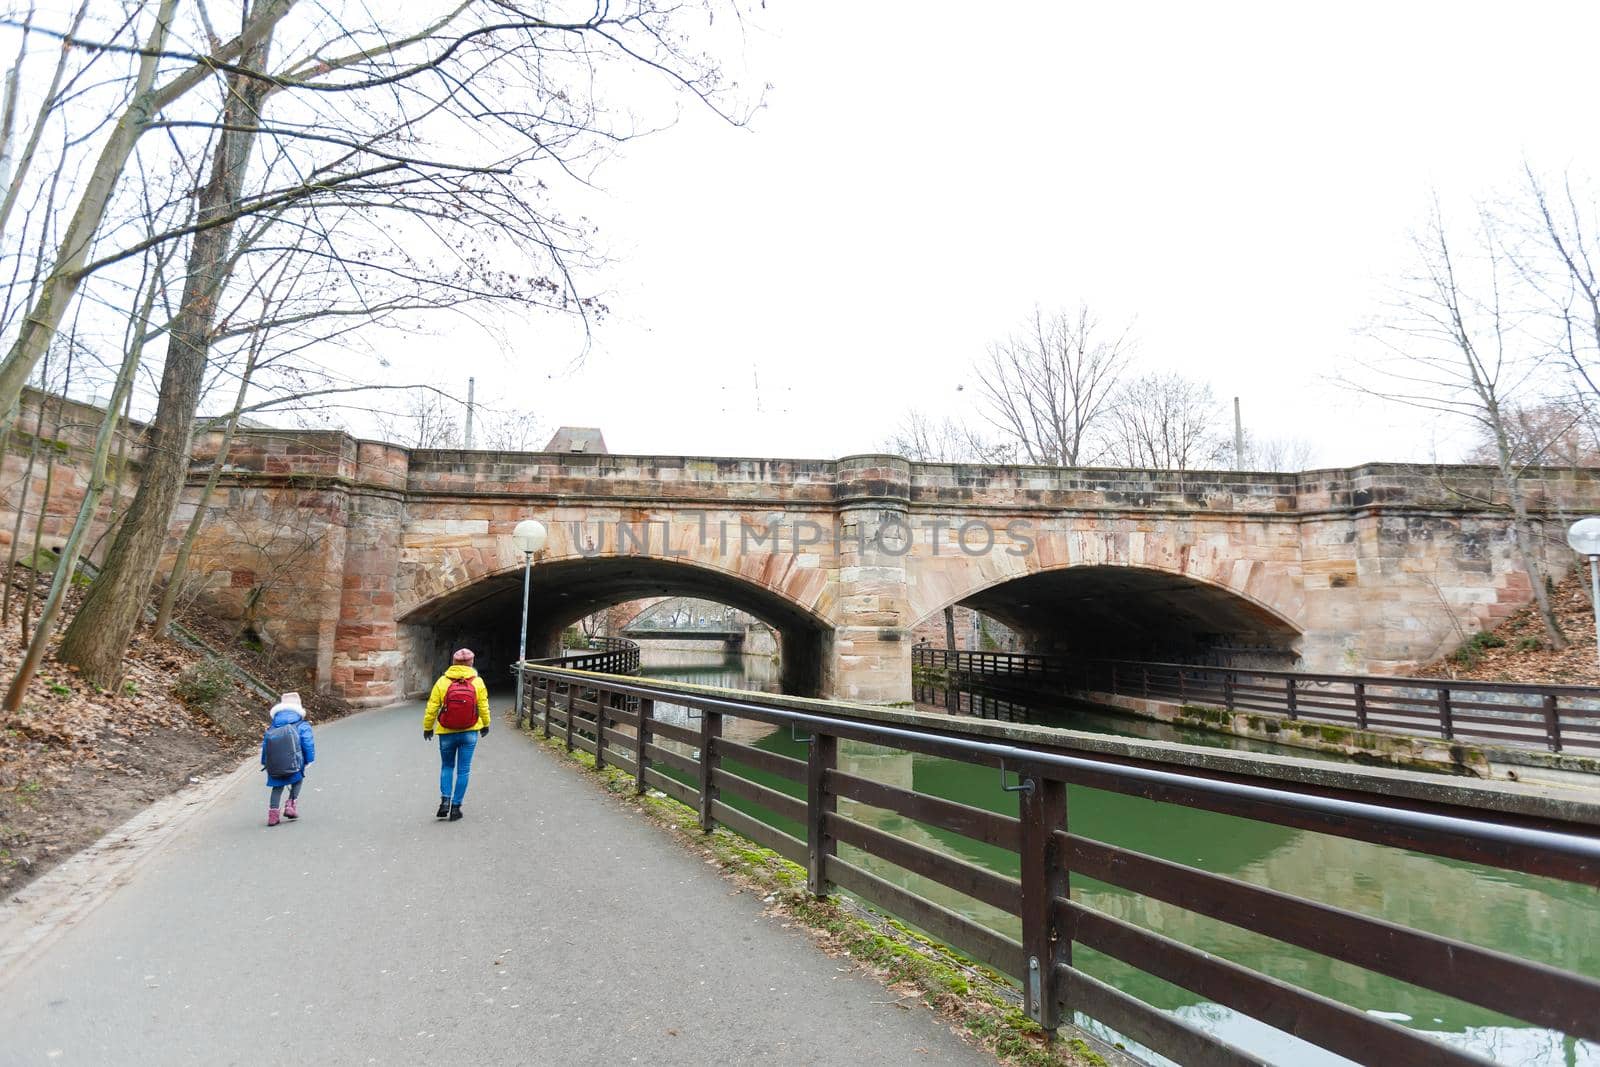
pixel 1527 916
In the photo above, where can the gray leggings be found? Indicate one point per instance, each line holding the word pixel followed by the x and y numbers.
pixel 277 793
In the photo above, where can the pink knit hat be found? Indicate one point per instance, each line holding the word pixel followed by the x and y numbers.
pixel 462 655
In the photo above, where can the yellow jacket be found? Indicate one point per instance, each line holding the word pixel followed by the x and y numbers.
pixel 436 698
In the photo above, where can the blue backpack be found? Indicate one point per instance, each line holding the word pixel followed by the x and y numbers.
pixel 283 756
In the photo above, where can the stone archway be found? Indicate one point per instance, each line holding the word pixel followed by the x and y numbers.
pixel 487 612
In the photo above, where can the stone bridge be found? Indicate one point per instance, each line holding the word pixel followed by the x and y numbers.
pixel 368 561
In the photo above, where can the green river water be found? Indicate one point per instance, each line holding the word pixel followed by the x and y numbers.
pixel 1535 918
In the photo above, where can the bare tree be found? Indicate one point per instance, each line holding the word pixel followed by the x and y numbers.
pixel 98 636
pixel 1275 453
pixel 1460 346
pixel 1557 432
pixel 510 431
pixel 398 125
pixel 1561 263
pixel 71 263
pixel 428 420
pixel 1167 422
pixel 925 439
pixel 1047 388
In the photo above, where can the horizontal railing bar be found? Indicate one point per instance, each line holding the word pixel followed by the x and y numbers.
pixel 1535 992
pixel 987 946
pixel 676 760
pixel 788 846
pixel 672 731
pixel 683 794
pixel 1155 1029
pixel 977 823
pixel 979 883
pixel 778 803
pixel 771 762
pixel 1308 1016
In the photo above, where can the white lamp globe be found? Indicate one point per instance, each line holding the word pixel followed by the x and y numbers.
pixel 529 535
pixel 1584 536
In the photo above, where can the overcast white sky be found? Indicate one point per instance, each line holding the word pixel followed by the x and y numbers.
pixel 1240 178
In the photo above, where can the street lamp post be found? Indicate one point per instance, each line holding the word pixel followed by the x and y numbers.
pixel 1584 537
pixel 529 536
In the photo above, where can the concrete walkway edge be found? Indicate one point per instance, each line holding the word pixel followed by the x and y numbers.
pixel 60 898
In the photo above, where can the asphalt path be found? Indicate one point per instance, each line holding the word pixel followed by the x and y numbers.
pixel 553 924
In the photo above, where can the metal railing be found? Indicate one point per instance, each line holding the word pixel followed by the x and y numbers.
pixel 973 662
pixel 1556 717
pixel 607 655
pixel 615 720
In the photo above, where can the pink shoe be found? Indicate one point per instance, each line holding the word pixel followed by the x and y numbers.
pixel 290 811
pixel 272 816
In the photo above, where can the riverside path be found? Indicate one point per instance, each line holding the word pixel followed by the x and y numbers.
pixel 543 928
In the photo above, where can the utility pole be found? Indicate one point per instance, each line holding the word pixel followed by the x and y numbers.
pixel 471 388
pixel 1238 437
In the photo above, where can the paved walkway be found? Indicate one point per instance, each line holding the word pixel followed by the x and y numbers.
pixel 551 925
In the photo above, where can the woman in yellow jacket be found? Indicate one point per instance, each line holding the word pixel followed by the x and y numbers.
pixel 458 710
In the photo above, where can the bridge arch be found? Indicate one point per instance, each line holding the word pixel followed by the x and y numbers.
pixel 1111 610
pixel 484 612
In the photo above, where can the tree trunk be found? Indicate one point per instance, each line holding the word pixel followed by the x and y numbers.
pixel 1522 530
pixel 180 566
pixel 22 509
pixel 67 564
pixel 99 636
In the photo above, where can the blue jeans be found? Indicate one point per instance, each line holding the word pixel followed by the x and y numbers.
pixel 455 758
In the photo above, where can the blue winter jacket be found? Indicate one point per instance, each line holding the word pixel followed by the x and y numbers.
pixel 282 716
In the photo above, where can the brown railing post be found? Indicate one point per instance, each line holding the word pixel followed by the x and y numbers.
pixel 1144 673
pixel 1361 705
pixel 1288 696
pixel 572 693
pixel 549 704
pixel 1552 723
pixel 1183 693
pixel 820 803
pixel 1447 725
pixel 710 730
pixel 647 709
pixel 1043 810
pixel 600 701
pixel 1227 690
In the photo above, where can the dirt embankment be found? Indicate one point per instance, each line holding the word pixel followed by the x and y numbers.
pixel 1518 650
pixel 78 761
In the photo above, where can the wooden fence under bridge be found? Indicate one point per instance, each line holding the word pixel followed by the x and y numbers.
pixel 615 720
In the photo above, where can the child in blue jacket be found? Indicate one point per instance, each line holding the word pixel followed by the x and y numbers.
pixel 287 749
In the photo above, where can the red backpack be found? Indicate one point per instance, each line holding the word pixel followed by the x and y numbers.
pixel 460 707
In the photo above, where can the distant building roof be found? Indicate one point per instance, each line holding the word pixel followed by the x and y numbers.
pixel 587 439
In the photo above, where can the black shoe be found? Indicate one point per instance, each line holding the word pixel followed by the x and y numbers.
pixel 455 812
pixel 444 808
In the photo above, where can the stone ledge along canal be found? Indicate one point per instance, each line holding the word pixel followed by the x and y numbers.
pixel 1525 915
